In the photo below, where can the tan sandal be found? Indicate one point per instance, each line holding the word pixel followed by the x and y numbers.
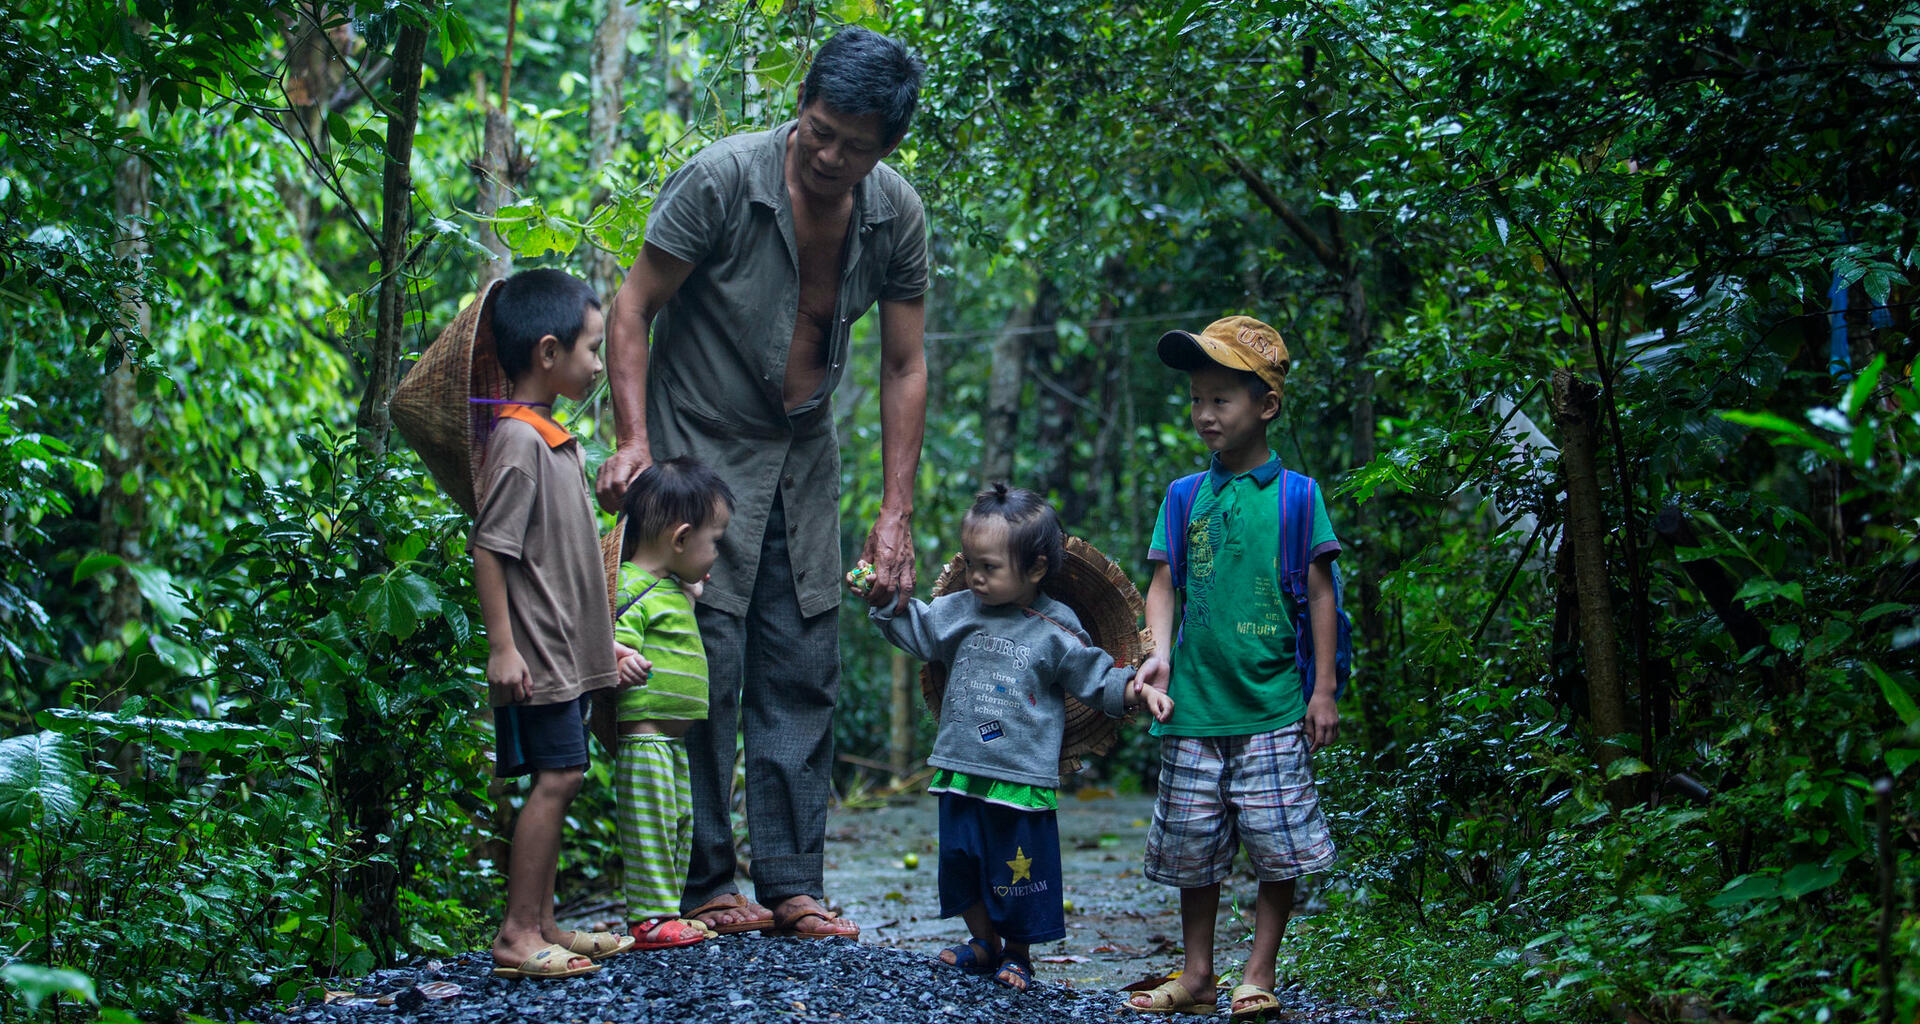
pixel 1263 1002
pixel 1170 997
pixel 597 945
pixel 550 962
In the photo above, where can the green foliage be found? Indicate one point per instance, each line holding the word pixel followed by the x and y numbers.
pixel 1438 206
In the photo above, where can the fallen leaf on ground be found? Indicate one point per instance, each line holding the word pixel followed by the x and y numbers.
pixel 439 989
pixel 1062 958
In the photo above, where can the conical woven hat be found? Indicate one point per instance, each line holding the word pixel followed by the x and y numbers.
pixel 610 559
pixel 1109 608
pixel 431 407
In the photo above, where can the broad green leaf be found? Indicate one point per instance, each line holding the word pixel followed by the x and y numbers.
pixel 40 778
pixel 1860 393
pixel 393 604
pixel 1801 879
pixel 1793 432
pixel 163 595
pixel 1897 695
pixel 1660 904
pixel 177 733
pixel 36 984
pixel 1624 766
pixel 1746 889
pixel 95 564
pixel 1899 759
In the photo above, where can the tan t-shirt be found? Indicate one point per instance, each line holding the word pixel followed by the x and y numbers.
pixel 534 513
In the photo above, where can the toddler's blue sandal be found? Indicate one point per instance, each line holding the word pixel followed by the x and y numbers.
pixel 1015 968
pixel 972 957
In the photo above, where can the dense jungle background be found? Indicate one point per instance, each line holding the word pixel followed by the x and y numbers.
pixel 1603 320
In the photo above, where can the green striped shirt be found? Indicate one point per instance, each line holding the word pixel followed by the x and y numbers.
pixel 661 626
pixel 1017 795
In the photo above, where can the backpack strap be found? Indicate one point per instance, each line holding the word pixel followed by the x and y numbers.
pixel 1179 509
pixel 1296 531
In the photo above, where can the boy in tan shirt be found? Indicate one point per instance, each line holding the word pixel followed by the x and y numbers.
pixel 543 598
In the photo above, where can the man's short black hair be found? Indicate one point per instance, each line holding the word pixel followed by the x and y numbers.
pixel 680 490
pixel 1033 530
pixel 533 304
pixel 861 72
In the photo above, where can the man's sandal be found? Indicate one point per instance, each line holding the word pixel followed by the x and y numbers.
pixel 1015 967
pixel 789 925
pixel 972 957
pixel 720 904
pixel 550 962
pixel 597 945
pixel 667 933
pixel 1169 997
pixel 1262 1002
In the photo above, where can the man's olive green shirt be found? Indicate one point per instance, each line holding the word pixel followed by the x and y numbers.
pixel 718 354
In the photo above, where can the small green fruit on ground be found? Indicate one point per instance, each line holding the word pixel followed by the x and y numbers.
pixel 910 861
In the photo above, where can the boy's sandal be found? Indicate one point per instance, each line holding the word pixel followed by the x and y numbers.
pixel 1014 966
pixel 1169 997
pixel 1262 1002
pixel 551 962
pixel 972 957
pixel 667 933
pixel 597 945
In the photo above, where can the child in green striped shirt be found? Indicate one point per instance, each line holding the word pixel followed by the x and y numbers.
pixel 675 513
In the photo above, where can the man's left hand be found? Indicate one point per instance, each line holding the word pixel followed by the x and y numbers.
pixel 890 551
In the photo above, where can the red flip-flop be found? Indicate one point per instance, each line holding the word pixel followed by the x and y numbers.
pixel 667 933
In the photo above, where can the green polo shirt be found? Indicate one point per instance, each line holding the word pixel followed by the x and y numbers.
pixel 1233 664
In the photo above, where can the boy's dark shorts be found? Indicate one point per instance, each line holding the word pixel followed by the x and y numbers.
pixel 539 737
pixel 1004 858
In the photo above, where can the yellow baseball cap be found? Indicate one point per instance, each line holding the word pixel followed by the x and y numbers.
pixel 1235 342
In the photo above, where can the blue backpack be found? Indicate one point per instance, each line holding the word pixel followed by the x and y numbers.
pixel 1296 493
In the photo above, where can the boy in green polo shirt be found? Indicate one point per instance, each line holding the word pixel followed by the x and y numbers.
pixel 1235 767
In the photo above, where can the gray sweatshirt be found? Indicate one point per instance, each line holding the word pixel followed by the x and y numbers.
pixel 1009 670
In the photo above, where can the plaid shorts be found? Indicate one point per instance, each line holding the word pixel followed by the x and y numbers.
pixel 1256 791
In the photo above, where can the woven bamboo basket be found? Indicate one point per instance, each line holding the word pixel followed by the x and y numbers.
pixel 1109 608
pixel 432 406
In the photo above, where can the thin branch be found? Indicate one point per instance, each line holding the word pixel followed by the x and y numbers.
pixel 1323 252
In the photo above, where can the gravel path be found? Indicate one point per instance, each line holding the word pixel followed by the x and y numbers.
pixel 1117 934
pixel 741 979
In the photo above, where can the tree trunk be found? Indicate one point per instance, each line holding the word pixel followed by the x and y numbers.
pixel 1000 427
pixel 900 734
pixel 1357 319
pixel 123 507
pixel 315 71
pixel 396 220
pixel 608 73
pixel 365 785
pixel 1576 410
pixel 497 176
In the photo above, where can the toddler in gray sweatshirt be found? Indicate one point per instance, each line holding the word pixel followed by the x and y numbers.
pixel 1012 655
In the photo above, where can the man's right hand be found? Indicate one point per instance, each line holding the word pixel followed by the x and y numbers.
pixel 617 473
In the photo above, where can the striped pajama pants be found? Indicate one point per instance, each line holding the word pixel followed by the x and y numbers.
pixel 655 805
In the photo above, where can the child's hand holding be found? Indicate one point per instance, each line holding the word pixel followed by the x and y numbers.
pixel 1159 705
pixel 1154 673
pixel 632 668
pixel 860 580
